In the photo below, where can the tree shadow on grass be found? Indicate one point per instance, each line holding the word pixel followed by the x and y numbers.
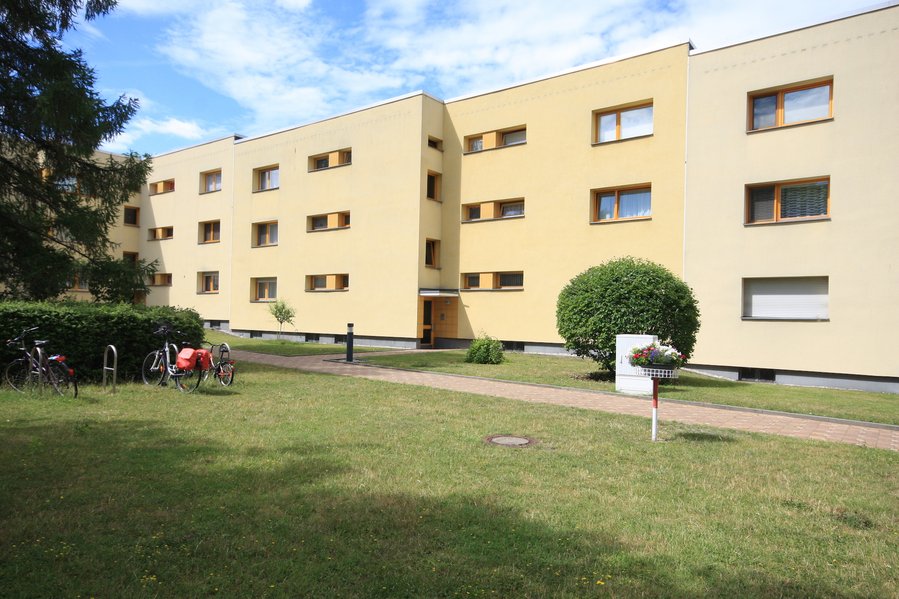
pixel 134 509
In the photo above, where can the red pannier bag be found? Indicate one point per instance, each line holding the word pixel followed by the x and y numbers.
pixel 204 359
pixel 187 359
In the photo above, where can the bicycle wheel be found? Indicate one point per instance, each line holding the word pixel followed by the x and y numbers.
pixel 153 371
pixel 187 380
pixel 60 380
pixel 17 373
pixel 225 374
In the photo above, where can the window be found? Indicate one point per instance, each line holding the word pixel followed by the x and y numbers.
pixel 493 210
pixel 786 298
pixel 161 233
pixel 492 140
pixel 211 181
pixel 328 222
pixel 265 290
pixel 208 282
pixel 331 159
pixel 130 257
pixel 435 143
pixel 507 280
pixel 161 279
pixel 518 136
pixel 131 216
pixel 623 123
pixel 791 105
pixel 493 280
pixel 334 282
pixel 265 234
pixel 508 209
pixel 621 204
pixel 433 187
pixel 210 232
pixel 775 202
pixel 77 281
pixel 162 187
pixel 267 178
pixel 432 253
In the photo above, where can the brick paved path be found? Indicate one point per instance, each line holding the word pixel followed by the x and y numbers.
pixel 776 423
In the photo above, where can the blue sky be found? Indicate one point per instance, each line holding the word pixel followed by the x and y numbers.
pixel 204 69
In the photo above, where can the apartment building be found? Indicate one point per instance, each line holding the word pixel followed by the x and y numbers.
pixel 758 172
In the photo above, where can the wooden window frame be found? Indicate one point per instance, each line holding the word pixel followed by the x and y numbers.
pixel 435 143
pixel 207 232
pixel 136 211
pixel 160 187
pixel 778 188
pixel 333 221
pixel 268 235
pixel 432 245
pixel 204 176
pixel 596 203
pixel 259 176
pixel 598 114
pixel 161 279
pixel 267 283
pixel 332 159
pixel 466 280
pixel 493 140
pixel 497 279
pixel 438 186
pixel 167 233
pixel 781 92
pixel 333 282
pixel 210 275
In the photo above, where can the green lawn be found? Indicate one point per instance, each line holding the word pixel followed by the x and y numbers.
pixel 293 484
pixel 282 347
pixel 574 372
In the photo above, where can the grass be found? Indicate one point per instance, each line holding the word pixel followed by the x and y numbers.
pixel 295 484
pixel 282 347
pixel 573 372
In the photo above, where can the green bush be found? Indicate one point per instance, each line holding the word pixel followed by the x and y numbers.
pixel 485 350
pixel 82 330
pixel 627 295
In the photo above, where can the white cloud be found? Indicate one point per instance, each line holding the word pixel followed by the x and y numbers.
pixel 143 127
pixel 288 61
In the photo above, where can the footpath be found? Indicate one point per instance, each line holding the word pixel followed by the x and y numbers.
pixel 882 436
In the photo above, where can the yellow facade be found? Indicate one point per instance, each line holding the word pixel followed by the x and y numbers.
pixel 425 222
pixel 855 246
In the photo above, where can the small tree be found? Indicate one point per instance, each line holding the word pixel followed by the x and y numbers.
pixel 283 312
pixel 627 295
pixel 485 350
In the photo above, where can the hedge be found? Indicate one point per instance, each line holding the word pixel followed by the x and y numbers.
pixel 81 331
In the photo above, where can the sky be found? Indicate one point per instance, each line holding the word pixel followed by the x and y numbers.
pixel 206 69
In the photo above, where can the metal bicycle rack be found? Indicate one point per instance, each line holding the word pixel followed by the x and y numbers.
pixel 39 360
pixel 114 368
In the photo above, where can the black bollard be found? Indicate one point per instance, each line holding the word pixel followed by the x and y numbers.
pixel 349 342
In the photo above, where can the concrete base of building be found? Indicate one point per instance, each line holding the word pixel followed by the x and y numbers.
pixel 328 338
pixel 853 382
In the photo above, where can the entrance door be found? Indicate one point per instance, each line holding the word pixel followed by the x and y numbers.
pixel 427 322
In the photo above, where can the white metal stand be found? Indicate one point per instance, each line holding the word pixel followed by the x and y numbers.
pixel 655 374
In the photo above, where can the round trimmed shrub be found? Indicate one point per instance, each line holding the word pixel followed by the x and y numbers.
pixel 485 350
pixel 625 296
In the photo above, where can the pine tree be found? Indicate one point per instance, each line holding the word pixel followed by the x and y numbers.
pixel 58 195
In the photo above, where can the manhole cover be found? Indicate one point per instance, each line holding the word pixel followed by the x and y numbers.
pixel 510 440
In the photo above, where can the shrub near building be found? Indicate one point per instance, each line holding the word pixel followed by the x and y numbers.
pixel 625 296
pixel 82 331
pixel 485 350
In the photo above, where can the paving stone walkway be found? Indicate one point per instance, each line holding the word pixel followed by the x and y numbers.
pixel 760 421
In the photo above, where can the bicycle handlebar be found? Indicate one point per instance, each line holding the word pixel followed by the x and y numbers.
pixel 21 335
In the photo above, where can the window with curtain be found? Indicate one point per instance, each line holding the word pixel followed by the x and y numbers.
pixel 791 200
pixel 622 204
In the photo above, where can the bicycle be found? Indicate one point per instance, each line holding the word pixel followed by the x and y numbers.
pixel 221 366
pixel 36 368
pixel 161 365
